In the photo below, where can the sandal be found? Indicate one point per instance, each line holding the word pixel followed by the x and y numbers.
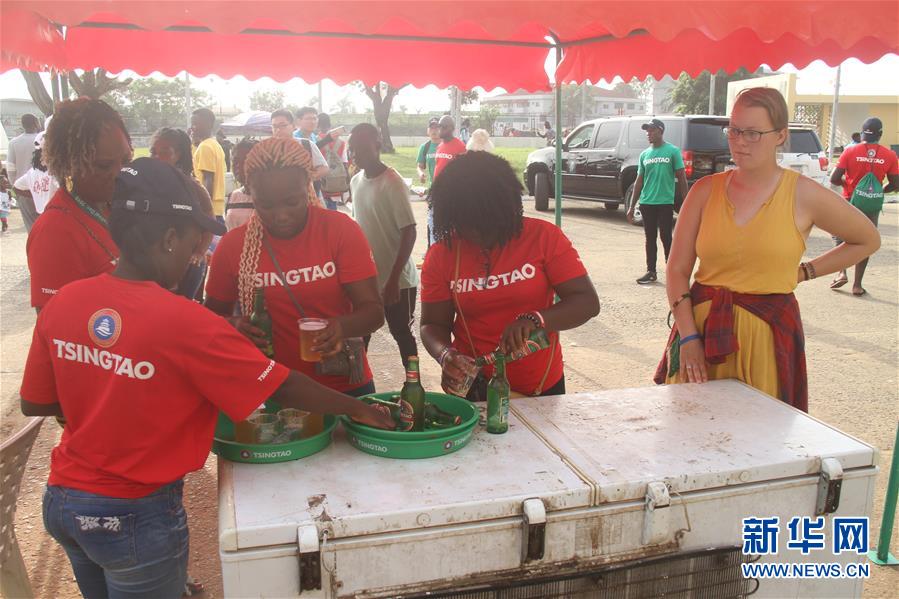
pixel 192 587
pixel 839 282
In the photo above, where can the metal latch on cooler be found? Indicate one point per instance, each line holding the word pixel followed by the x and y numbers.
pixel 534 543
pixel 656 515
pixel 829 487
pixel 310 558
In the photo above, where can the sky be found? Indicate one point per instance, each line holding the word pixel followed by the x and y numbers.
pixel 856 78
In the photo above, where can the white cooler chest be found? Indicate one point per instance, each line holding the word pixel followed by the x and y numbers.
pixel 622 493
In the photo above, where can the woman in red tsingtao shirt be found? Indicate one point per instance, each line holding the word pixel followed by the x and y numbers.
pixel 326 261
pixel 141 375
pixel 85 147
pixel 490 279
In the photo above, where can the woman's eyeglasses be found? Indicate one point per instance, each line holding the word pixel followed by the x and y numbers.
pixel 750 135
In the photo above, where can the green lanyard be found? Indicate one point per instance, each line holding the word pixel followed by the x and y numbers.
pixel 90 210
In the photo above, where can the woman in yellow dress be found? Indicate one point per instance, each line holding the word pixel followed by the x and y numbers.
pixel 748 227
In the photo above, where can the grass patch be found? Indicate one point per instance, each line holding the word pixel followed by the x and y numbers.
pixel 405 158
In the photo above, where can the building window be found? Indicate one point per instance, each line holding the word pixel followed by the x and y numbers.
pixel 630 106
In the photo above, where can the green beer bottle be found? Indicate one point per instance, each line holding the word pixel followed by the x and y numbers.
pixel 261 319
pixel 414 394
pixel 436 416
pixel 399 410
pixel 498 398
pixel 537 340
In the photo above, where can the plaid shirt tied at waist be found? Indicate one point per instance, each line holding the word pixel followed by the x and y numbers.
pixel 779 310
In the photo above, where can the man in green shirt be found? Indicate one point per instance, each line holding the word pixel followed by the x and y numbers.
pixel 657 168
pixel 427 160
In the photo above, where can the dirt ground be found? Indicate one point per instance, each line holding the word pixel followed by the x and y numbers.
pixel 852 346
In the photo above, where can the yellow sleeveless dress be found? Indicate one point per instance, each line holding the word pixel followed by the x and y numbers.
pixel 760 257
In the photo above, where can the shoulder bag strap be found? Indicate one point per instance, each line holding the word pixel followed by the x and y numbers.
pixel 271 254
pixel 474 352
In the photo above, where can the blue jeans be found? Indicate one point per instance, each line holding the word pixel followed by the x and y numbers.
pixel 122 548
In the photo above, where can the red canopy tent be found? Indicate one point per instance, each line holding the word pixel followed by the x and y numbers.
pixel 491 43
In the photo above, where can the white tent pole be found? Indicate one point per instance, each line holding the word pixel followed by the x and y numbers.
pixel 833 116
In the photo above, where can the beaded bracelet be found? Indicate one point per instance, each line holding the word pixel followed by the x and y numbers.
pixel 679 300
pixel 534 317
pixel 809 270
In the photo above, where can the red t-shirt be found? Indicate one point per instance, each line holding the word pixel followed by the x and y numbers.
pixel 861 159
pixel 521 279
pixel 330 252
pixel 141 374
pixel 61 250
pixel 446 151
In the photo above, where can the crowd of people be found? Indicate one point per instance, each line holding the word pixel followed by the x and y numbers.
pixel 137 354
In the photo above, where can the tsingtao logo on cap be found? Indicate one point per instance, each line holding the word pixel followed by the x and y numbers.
pixel 104 327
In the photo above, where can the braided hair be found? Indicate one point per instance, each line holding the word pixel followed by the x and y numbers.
pixel 70 145
pixel 268 155
pixel 180 142
pixel 477 192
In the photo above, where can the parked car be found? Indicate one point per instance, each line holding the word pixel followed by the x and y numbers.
pixel 599 157
pixel 803 152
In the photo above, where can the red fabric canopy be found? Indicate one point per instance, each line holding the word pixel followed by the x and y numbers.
pixel 601 38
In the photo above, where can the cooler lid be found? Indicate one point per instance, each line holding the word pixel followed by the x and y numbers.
pixel 692 437
pixel 358 494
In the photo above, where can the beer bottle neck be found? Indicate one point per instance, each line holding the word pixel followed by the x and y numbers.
pixel 259 300
pixel 499 366
pixel 412 375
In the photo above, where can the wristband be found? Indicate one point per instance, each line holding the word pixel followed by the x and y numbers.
pixel 688 339
pixel 443 354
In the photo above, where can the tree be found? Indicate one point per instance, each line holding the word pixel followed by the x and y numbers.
pixel 267 100
pixel 624 90
pixel 381 96
pixel 156 103
pixel 691 96
pixel 468 97
pixel 486 118
pixel 345 105
pixel 93 84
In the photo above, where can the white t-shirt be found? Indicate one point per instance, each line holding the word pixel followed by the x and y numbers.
pixel 21 149
pixel 382 209
pixel 4 203
pixel 42 186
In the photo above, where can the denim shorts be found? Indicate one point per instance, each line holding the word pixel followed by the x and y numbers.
pixel 122 548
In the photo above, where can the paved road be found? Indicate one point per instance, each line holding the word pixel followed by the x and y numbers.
pixel 852 346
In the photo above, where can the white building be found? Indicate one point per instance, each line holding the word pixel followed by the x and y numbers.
pixel 527 112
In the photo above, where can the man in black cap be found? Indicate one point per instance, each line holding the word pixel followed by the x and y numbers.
pixel 657 168
pixel 854 164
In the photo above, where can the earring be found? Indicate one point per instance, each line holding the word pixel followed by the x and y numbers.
pixel 170 250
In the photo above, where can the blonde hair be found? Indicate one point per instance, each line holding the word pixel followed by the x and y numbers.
pixel 479 141
pixel 268 155
pixel 769 99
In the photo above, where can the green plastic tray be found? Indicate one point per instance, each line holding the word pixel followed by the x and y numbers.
pixel 412 445
pixel 223 444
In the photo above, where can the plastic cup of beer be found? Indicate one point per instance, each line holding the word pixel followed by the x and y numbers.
pixel 293 420
pixel 309 328
pixel 265 427
pixel 461 387
pixel 245 431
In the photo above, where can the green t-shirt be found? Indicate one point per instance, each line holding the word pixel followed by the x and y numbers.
pixel 658 165
pixel 427 154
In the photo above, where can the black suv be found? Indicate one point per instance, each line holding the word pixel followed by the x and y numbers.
pixel 599 157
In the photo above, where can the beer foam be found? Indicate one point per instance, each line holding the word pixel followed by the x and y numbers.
pixel 313 326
